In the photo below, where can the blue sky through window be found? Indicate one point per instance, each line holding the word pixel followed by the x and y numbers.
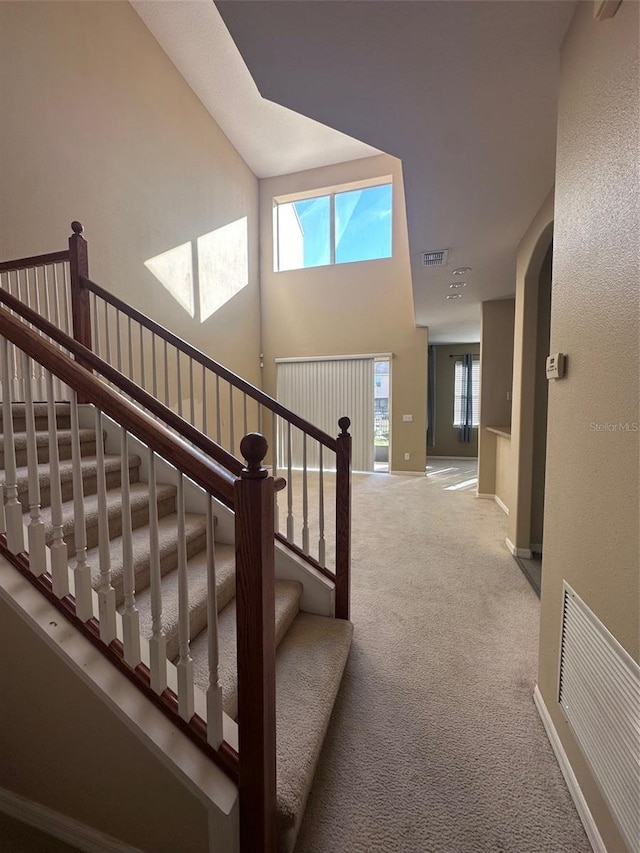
pixel 362 226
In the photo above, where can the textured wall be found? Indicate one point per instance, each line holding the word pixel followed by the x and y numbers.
pixel 350 308
pixel 99 126
pixel 591 512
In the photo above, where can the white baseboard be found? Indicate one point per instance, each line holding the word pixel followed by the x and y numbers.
pixel 456 458
pixel 579 801
pixel 536 548
pixel 502 505
pixel 60 826
pixel 484 496
pixel 525 553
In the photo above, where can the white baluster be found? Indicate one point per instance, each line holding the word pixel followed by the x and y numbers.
pixel 38 369
pixel 321 542
pixel 204 399
pixel 274 467
pixel 192 402
pixel 13 507
pixel 154 366
pixel 47 301
pixel 185 661
pixel 143 380
pixel 179 382
pixel 107 335
pixel 97 348
pixel 81 572
pixel 259 407
pixel 305 497
pixel 214 691
pixel 130 343
pixel 158 641
pixel 66 301
pixel 106 592
pixel 166 374
pixel 232 443
pixel 130 615
pixel 15 369
pixel 3 520
pixel 56 322
pixel 218 417
pixel 290 525
pixel 118 341
pixel 244 412
pixel 58 547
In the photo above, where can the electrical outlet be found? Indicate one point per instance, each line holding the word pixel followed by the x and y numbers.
pixel 407 457
pixel 408 419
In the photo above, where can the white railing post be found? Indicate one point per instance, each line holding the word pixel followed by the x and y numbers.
pixel 130 615
pixel 13 507
pixel 214 692
pixel 81 572
pixel 186 705
pixel 158 641
pixel 35 531
pixel 58 547
pixel 106 592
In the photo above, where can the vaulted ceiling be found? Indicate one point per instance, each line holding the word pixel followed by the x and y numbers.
pixel 463 91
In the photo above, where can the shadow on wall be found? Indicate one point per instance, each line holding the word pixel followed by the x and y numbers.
pixel 204 274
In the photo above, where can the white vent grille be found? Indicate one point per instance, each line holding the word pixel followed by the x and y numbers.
pixel 435 259
pixel 600 695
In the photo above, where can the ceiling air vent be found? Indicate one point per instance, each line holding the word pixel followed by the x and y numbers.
pixel 435 259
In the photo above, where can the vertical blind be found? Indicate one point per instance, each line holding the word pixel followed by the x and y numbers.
pixel 322 392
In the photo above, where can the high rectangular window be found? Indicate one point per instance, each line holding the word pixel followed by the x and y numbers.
pixel 335 228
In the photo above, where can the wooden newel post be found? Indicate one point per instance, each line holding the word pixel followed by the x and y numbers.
pixel 343 521
pixel 79 266
pixel 255 618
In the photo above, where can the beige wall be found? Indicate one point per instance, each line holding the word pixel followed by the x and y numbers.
pixel 364 307
pixel 447 443
pixel 540 405
pixel 57 748
pixel 99 126
pixel 591 512
pixel 496 380
pixel 504 470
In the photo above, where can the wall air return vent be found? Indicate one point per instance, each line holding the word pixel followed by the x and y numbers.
pixel 435 259
pixel 600 696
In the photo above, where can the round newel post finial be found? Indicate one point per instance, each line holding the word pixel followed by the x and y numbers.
pixel 344 424
pixel 254 448
pixel 77 228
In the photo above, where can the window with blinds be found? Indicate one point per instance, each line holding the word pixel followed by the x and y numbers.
pixel 458 394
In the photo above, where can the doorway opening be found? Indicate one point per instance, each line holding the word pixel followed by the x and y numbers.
pixel 381 414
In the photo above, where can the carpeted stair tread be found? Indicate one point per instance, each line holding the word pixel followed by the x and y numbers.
pixel 287 606
pixel 197 571
pixel 309 666
pixel 41 414
pixel 42 438
pixel 195 532
pixel 139 498
pixel 89 468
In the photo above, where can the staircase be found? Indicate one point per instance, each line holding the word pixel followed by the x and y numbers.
pixel 133 533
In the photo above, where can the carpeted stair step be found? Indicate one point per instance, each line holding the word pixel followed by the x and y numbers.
pixel 139 498
pixel 87 445
pixel 197 571
pixel 309 667
pixel 195 531
pixel 63 416
pixel 89 478
pixel 287 606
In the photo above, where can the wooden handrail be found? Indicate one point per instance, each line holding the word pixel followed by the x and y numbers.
pixel 92 361
pixel 190 461
pixel 35 261
pixel 204 360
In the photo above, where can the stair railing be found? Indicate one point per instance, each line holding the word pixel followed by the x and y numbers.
pixel 221 404
pixel 42 555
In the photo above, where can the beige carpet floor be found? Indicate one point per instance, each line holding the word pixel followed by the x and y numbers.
pixel 435 743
